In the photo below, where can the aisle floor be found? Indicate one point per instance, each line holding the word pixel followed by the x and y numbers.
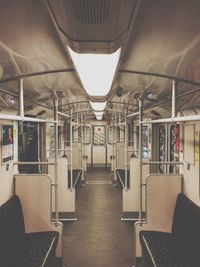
pixel 98 238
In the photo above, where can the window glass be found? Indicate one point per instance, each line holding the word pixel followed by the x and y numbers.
pixel 99 135
pixel 161 152
pixel 130 134
pixel 145 142
pixel 120 134
pixel 174 147
pixel 111 135
pixel 87 130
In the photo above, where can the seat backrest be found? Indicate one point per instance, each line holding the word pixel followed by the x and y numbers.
pixel 186 220
pixel 12 228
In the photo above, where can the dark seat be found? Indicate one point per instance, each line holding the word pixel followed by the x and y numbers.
pixel 76 175
pixel 181 247
pixel 121 177
pixel 20 249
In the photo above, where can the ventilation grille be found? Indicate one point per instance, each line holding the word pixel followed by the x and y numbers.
pixel 91 11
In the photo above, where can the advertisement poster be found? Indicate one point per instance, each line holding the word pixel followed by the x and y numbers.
pixel 7 143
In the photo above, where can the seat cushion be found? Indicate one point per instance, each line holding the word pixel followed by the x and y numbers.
pixel 76 174
pixel 121 175
pixel 166 250
pixel 34 251
pixel 11 223
pixel 186 220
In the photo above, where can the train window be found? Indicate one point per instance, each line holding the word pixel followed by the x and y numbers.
pixel 52 140
pixel 99 135
pixel 174 147
pixel 161 147
pixel 77 135
pixel 87 135
pixel 120 134
pixel 130 134
pixel 145 142
pixel 111 135
pixel 28 146
pixel 67 133
pixel 59 137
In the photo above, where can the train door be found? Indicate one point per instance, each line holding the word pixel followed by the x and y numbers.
pixel 29 145
pixel 99 149
pixel 87 145
pixel 82 146
pixel 146 141
pixel 111 146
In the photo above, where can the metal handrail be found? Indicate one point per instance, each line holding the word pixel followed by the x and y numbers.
pixel 34 163
pixel 162 162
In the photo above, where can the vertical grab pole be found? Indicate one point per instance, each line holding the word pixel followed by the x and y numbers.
pixel 56 157
pixel 140 158
pixel 71 155
pixel 81 119
pixel 125 150
pixel 21 97
pixel 21 102
pixel 39 145
pixel 174 85
pixel 82 147
pixel 173 115
pixel 115 145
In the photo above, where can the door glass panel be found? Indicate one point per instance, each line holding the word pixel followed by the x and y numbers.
pixel 120 134
pixel 87 135
pixel 99 135
pixel 28 146
pixel 130 134
pixel 111 135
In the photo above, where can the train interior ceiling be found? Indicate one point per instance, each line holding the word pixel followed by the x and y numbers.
pixel 100 115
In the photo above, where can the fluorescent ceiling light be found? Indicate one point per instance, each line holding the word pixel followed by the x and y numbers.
pixel 96 71
pixel 98 105
pixel 99 118
pixel 98 113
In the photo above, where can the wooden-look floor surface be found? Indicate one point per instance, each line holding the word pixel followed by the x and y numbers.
pixel 99 238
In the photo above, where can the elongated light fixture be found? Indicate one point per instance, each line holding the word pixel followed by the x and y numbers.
pixel 98 105
pixel 98 114
pixel 99 118
pixel 96 71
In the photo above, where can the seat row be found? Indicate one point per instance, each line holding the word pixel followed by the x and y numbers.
pixel 181 247
pixel 21 249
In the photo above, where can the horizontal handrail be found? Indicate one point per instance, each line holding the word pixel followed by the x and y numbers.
pixel 34 163
pixel 162 162
pixel 23 118
pixel 59 149
pixel 63 114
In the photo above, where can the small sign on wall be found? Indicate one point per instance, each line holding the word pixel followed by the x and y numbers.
pixel 7 143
